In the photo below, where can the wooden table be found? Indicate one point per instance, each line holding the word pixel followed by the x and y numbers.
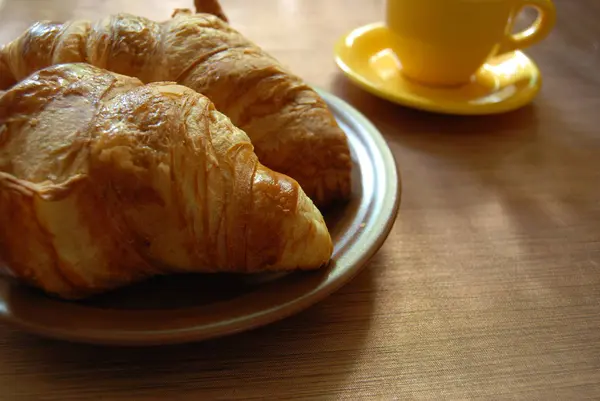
pixel 488 287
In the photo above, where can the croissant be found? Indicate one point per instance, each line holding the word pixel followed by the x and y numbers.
pixel 291 127
pixel 105 181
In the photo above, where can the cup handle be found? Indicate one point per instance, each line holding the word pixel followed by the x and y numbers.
pixel 536 32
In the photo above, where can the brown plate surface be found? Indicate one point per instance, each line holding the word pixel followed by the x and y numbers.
pixel 186 308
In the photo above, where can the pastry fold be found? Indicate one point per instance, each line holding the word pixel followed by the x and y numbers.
pixel 291 127
pixel 105 181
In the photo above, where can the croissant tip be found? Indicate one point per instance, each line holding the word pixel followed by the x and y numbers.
pixel 315 240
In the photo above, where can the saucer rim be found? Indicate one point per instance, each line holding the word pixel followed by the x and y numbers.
pixel 398 97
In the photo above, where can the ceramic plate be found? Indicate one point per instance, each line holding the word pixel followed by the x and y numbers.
pixel 179 309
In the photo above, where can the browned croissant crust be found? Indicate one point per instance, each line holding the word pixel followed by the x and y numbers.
pixel 289 124
pixel 104 181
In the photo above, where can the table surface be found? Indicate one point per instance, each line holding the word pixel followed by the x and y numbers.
pixel 488 286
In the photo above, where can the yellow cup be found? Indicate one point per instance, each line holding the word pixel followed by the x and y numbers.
pixel 445 42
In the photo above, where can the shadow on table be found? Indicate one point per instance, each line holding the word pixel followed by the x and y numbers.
pixel 320 345
pixel 527 171
pixel 474 141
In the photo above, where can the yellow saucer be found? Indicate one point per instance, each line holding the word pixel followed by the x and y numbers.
pixel 505 83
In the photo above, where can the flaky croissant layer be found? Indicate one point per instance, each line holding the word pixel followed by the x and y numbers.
pixel 289 124
pixel 104 181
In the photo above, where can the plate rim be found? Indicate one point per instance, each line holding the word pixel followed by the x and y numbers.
pixel 379 234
